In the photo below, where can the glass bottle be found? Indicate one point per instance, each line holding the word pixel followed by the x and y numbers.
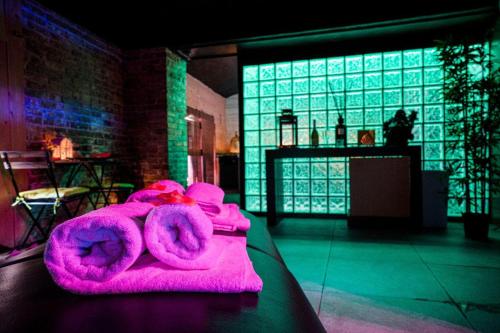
pixel 340 133
pixel 314 135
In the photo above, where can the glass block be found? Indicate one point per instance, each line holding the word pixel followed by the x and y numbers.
pixel 302 119
pixel 336 83
pixel 337 187
pixel 288 204
pixel 417 133
pixel 379 136
pixel 433 75
pixel 283 87
pixel 251 155
pixel 352 135
pixel 431 57
pixel 284 70
pixel 268 138
pixel 389 112
pixel 456 152
pixel 301 171
pixel 263 170
pixel 268 105
pixel 336 169
pixel 283 103
pixel 266 72
pixel 318 187
pixel 263 200
pixel 304 135
pixel 392 97
pixel 373 62
pixel 413 96
pixel 354 100
pixel 434 165
pixel 264 148
pixel 250 73
pixel 267 88
pixel 263 187
pixel 268 121
pixel 250 90
pixel 253 203
pixel 433 113
pixel 412 77
pixel 335 65
pixel 252 186
pixel 302 204
pixel 455 209
pixel 392 79
pixel 250 106
pixel 354 82
pixel 301 187
pixel 433 151
pixel 392 60
pixel 301 103
pixel 251 122
pixel 320 118
pixel 336 205
pixel 373 80
pixel 354 117
pixel 300 86
pixel 319 170
pixel 433 95
pixel 319 205
pixel 287 187
pixel 251 138
pixel 434 132
pixel 418 110
pixel 373 116
pixel 373 98
pixel 318 102
pixel 317 67
pixel 252 170
pixel 412 58
pixel 300 68
pixel 353 64
pixel 318 85
pixel 336 101
pixel 287 170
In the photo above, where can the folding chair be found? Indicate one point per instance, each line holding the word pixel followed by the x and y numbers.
pixel 52 197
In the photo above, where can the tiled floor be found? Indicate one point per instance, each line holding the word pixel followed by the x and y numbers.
pixel 366 280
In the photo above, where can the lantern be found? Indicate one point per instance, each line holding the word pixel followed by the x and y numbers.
pixel 288 129
pixel 62 148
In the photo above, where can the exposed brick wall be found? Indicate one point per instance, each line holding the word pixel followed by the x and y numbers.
pixel 146 113
pixel 200 97
pixel 177 110
pixel 73 83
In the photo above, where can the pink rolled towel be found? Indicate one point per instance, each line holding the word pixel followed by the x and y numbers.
pixel 180 236
pixel 150 193
pixel 96 246
pixel 226 217
pixel 234 273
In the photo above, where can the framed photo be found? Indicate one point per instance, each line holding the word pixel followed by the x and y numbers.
pixel 366 137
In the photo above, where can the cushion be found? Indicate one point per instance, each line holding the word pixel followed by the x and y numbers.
pixel 50 192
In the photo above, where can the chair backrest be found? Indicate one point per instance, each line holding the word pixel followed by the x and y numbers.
pixel 27 160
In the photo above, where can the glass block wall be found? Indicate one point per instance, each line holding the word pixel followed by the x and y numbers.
pixel 367 89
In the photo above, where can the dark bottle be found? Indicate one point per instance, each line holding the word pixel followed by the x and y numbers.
pixel 314 135
pixel 340 133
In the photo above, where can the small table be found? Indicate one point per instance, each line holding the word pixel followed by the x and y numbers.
pixel 273 155
pixel 89 164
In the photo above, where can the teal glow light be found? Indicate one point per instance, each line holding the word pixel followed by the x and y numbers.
pixel 371 86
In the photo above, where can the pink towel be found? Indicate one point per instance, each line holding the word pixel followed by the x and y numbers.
pixel 99 245
pixel 226 217
pixel 233 273
pixel 180 236
pixel 150 193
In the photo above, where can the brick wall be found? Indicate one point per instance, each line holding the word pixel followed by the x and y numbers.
pixel 200 97
pixel 73 83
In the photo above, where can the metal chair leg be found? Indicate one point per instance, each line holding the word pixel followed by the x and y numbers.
pixel 35 223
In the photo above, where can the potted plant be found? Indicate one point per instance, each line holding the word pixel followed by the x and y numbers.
pixel 472 92
pixel 398 129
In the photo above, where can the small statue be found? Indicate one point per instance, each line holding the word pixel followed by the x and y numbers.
pixel 398 129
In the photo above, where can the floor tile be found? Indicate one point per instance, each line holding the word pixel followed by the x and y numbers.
pixel 485 321
pixel 374 251
pixel 309 272
pixel 384 278
pixel 469 284
pixel 314 298
pixel 344 312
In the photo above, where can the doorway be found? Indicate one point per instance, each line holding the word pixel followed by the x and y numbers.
pixel 201 147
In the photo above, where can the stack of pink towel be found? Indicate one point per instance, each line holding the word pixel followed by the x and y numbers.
pixel 153 242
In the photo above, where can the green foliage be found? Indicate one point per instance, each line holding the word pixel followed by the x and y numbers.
pixel 472 91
